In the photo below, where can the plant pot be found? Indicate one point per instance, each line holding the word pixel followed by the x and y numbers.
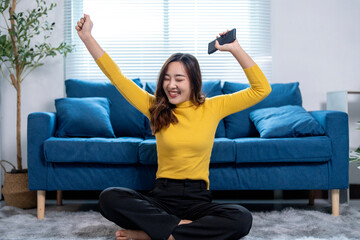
pixel 16 188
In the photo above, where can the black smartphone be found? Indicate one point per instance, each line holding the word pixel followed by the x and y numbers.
pixel 229 37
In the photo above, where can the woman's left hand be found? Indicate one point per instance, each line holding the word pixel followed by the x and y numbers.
pixel 226 47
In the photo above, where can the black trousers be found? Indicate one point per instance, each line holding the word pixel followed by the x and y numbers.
pixel 159 212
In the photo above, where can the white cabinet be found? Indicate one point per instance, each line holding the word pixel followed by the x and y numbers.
pixel 349 102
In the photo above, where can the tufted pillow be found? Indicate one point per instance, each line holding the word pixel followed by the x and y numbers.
pixel 285 121
pixel 239 125
pixel 210 88
pixel 83 117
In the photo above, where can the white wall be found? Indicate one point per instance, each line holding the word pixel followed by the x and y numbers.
pixel 39 90
pixel 317 43
pixel 314 42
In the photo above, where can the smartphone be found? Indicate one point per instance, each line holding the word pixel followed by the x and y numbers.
pixel 229 37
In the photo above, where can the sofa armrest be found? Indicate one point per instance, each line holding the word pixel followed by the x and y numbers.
pixel 336 126
pixel 41 126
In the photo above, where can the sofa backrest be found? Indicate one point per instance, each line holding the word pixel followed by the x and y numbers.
pixel 239 125
pixel 126 120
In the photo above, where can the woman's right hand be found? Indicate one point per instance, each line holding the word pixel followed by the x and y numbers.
pixel 84 27
pixel 228 46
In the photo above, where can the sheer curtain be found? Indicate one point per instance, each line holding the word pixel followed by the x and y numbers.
pixel 141 34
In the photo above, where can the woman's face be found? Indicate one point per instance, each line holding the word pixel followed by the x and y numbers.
pixel 176 83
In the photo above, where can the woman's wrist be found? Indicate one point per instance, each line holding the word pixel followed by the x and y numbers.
pixel 241 56
pixel 86 37
pixel 236 49
pixel 92 45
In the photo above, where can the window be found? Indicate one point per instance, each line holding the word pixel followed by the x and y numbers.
pixel 141 34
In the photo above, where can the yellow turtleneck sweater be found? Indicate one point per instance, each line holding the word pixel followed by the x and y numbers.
pixel 184 148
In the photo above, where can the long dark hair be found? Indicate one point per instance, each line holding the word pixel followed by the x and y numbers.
pixel 161 113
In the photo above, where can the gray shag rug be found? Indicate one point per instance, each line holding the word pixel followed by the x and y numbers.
pixel 286 224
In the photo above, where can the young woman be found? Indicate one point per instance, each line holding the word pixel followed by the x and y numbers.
pixel 184 122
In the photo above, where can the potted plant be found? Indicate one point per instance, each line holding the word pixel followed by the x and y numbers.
pixel 23 48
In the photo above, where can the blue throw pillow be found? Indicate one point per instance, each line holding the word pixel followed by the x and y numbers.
pixel 239 125
pixel 130 124
pixel 210 88
pixel 150 87
pixel 285 121
pixel 83 117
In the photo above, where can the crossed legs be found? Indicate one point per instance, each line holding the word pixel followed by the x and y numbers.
pixel 145 217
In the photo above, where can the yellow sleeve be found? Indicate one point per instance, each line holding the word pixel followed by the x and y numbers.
pixel 135 95
pixel 259 89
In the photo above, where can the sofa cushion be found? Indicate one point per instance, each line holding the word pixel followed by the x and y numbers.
pixel 239 124
pixel 83 117
pixel 147 152
pixel 121 150
pixel 210 88
pixel 130 124
pixel 285 150
pixel 223 151
pixel 285 121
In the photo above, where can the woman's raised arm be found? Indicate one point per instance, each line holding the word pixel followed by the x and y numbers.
pixel 83 29
pixel 259 86
pixel 236 50
pixel 135 95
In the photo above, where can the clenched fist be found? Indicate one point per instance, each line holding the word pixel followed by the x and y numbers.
pixel 84 27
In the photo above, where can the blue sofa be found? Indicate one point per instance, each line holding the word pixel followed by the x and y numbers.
pixel 240 160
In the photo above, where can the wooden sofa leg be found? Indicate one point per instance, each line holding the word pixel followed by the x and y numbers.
pixel 59 197
pixel 40 204
pixel 335 200
pixel 311 197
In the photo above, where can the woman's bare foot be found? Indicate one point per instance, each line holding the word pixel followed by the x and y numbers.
pixel 141 235
pixel 132 234
pixel 184 221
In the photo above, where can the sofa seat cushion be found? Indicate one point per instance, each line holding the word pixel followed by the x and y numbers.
pixel 121 150
pixel 289 150
pixel 147 152
pixel 223 151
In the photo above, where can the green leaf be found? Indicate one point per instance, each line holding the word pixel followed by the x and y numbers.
pixel 27 25
pixel 4 5
pixel 2 39
pixel 357 150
